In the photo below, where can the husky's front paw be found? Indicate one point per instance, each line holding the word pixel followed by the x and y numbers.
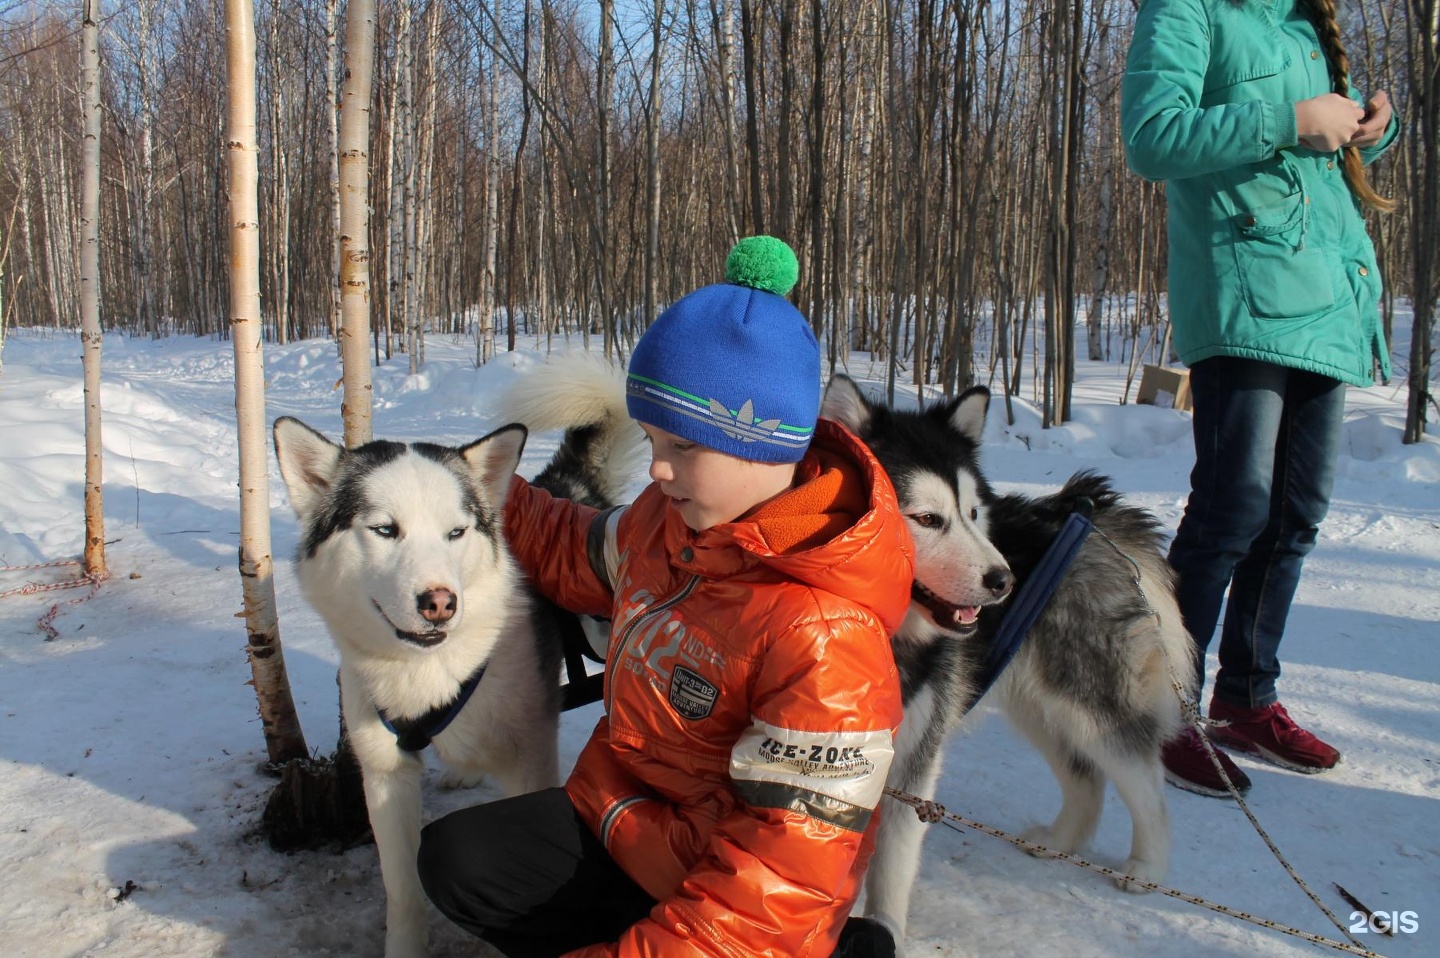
pixel 1043 836
pixel 1145 871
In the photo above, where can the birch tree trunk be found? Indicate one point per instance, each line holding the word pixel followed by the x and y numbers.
pixel 283 739
pixel 332 127
pixel 538 316
pixel 814 284
pixel 490 230
pixel 4 258
pixel 784 187
pixel 422 265
pixel 723 14
pixel 355 220
pixel 1100 270
pixel 317 802
pixel 1424 29
pixel 91 335
pixel 604 99
pixel 652 166
pixel 517 180
pixel 404 193
pixel 387 235
pixel 280 185
pixel 143 228
pixel 750 53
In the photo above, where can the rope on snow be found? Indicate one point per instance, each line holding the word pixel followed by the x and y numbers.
pixel 92 579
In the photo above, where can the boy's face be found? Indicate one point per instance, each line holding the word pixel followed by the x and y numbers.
pixel 711 487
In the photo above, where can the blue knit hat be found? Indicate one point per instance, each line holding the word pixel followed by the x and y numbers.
pixel 733 366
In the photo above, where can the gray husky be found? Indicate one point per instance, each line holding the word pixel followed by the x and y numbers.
pixel 402 552
pixel 1090 687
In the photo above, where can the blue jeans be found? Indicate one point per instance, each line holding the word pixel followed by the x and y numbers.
pixel 1266 443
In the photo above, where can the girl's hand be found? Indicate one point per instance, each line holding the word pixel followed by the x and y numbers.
pixel 1377 119
pixel 1326 123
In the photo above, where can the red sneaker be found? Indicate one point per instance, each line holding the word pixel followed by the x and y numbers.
pixel 1188 766
pixel 1270 733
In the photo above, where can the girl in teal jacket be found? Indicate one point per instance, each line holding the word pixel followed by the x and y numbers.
pixel 1245 109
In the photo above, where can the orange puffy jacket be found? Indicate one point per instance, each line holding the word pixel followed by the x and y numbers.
pixel 751 699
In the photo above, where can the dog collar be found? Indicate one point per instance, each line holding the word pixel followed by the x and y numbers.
pixel 415 734
pixel 1031 597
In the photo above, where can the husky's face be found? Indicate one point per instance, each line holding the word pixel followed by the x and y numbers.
pixel 397 538
pixel 931 458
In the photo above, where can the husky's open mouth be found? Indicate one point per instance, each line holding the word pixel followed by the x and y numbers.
pixel 960 619
pixel 424 640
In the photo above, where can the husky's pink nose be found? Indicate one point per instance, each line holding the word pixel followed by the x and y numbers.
pixel 436 605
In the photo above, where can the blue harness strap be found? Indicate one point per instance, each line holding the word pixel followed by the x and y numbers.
pixel 414 735
pixel 1030 599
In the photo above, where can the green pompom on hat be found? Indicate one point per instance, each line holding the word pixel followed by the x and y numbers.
pixel 763 262
pixel 733 366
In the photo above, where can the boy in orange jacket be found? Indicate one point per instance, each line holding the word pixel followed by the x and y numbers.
pixel 726 803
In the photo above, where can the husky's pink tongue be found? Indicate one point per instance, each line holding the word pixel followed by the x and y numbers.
pixel 965 615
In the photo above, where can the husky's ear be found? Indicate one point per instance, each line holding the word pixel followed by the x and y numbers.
pixel 968 416
pixel 846 404
pixel 493 460
pixel 307 462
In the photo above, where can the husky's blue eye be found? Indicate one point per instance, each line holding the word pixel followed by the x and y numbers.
pixel 456 533
pixel 386 530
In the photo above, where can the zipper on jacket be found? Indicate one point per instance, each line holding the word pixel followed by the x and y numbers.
pixel 629 633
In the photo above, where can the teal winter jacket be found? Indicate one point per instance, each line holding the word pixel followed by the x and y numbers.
pixel 1269 258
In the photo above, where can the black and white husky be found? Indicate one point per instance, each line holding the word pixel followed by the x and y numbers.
pixel 1090 687
pixel 402 553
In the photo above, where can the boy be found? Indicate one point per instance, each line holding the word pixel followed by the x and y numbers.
pixel 725 804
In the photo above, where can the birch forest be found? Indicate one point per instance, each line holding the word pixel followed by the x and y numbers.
pixel 950 174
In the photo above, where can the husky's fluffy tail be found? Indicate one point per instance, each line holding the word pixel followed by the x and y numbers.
pixel 603 449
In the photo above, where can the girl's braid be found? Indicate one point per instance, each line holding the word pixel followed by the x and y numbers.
pixel 1322 15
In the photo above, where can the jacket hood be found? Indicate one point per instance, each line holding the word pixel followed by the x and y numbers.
pixel 838 529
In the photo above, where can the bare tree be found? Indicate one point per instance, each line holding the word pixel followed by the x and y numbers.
pixel 317 801
pixel 490 232
pixel 1423 33
pixel 280 205
pixel 284 741
pixel 722 14
pixel 1067 107
pixel 5 243
pixel 604 102
pixel 332 128
pixel 91 335
pixel 750 53
pixel 356 405
pixel 652 164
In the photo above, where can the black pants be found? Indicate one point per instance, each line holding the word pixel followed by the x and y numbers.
pixel 526 875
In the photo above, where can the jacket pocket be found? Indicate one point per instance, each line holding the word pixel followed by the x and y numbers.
pixel 1256 54
pixel 1282 277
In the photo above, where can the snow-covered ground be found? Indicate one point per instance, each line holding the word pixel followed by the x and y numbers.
pixel 130 746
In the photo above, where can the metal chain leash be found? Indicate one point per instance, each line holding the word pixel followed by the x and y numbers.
pixel 1191 712
pixel 929 812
